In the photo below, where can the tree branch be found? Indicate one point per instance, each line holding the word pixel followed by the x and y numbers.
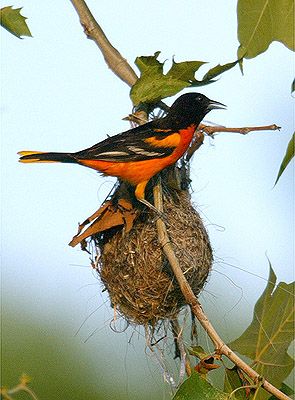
pixel 210 130
pixel 112 57
pixel 124 71
pixel 220 347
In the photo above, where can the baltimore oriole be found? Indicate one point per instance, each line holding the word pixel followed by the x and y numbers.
pixel 140 153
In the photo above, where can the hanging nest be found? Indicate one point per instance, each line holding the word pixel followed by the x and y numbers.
pixel 135 271
pixel 131 263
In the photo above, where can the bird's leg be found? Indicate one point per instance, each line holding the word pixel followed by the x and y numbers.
pixel 139 194
pixel 158 213
pixel 149 205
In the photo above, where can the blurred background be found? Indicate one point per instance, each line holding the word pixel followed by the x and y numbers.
pixel 58 95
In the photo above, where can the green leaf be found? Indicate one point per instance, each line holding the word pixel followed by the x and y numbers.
pixel 270 333
pixel 149 64
pixel 153 85
pixel 293 86
pixel 261 22
pixel 288 157
pixel 217 70
pixel 197 351
pixel 195 388
pixel 12 20
pixel 232 382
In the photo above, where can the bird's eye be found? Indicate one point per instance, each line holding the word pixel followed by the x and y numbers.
pixel 199 98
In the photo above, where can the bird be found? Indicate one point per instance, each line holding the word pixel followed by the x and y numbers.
pixel 138 154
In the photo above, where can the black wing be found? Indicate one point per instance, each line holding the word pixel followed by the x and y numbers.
pixel 129 146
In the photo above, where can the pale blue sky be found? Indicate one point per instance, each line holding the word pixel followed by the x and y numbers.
pixel 57 94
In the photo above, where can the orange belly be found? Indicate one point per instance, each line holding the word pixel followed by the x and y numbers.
pixel 132 172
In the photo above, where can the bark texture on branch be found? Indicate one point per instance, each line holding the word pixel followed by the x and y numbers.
pixel 113 58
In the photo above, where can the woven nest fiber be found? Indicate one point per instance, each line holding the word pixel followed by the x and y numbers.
pixel 136 273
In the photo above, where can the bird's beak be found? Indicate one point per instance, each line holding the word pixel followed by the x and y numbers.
pixel 215 105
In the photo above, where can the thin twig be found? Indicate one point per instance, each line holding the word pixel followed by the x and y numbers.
pixel 210 130
pixel 220 346
pixel 196 144
pixel 112 57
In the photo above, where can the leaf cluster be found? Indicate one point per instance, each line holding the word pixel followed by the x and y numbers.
pixel 153 85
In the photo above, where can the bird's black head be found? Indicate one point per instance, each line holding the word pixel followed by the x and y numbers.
pixel 191 108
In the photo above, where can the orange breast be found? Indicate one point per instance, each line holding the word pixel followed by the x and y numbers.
pixel 186 136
